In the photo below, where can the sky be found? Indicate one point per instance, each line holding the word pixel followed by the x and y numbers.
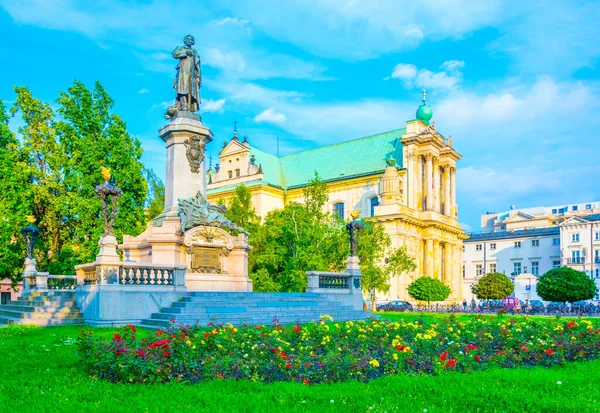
pixel 514 82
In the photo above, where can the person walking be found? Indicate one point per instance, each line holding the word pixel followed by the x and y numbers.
pixel 465 305
pixel 473 305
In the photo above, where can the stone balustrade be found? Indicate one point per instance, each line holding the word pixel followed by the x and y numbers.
pixel 62 282
pixel 320 280
pixel 152 274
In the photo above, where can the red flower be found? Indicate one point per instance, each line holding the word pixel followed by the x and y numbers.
pixel 550 352
pixel 132 327
pixel 274 350
pixel 172 320
pixel 211 323
pixel 400 348
pixel 307 382
pixel 472 346
pixel 245 325
pixel 117 337
pixel 452 363
pixel 167 353
pixel 205 335
pixel 141 353
pixel 297 329
pixel 477 358
pixel 444 356
pixel 571 324
pixel 288 366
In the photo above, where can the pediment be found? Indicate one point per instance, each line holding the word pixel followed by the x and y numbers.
pixel 234 147
pixel 519 216
pixel 573 221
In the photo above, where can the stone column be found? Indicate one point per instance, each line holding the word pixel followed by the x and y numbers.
pixel 457 279
pixel 436 186
pixel 447 279
pixel 418 183
pixel 447 184
pixel 453 192
pixel 436 259
pixel 428 182
pixel 185 139
pixel 429 257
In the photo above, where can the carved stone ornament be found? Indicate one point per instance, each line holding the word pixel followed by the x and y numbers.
pixel 430 129
pixel 195 152
pixel 197 211
pixel 206 246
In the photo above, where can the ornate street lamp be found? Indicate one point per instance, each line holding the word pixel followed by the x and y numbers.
pixel 30 233
pixel 105 191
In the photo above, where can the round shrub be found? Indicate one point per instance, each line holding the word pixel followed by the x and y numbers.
pixel 493 286
pixel 565 284
pixel 428 289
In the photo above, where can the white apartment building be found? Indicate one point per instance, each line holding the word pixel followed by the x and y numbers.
pixel 528 242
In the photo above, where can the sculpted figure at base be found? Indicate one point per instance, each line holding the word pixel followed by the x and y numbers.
pixel 197 211
pixel 188 79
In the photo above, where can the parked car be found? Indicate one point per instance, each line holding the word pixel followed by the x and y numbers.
pixel 395 306
pixel 537 305
pixel 511 303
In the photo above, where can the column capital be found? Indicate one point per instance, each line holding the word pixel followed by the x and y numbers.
pixel 452 170
pixel 428 157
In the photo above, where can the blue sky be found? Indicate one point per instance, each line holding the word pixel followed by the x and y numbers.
pixel 514 82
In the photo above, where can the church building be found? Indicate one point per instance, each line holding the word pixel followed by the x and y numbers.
pixel 404 178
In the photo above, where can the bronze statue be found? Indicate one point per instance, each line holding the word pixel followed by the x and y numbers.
pixel 197 211
pixel 104 191
pixel 354 229
pixel 188 79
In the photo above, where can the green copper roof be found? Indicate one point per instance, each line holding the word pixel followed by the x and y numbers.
pixel 358 157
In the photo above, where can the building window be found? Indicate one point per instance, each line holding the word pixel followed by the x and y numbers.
pixel 555 263
pixel 493 246
pixel 465 272
pixel 555 241
pixel 597 257
pixel 230 174
pixel 493 267
pixel 237 173
pixel 574 207
pixel 597 236
pixel 576 257
pixel 338 210
pixel 575 237
pixel 5 298
pixel 588 206
pixel 535 268
pixel 518 245
pixel 478 247
pixel 463 248
pixel 597 272
pixel 535 242
pixel 374 203
pixel 516 268
pixel 478 269
pixel 554 211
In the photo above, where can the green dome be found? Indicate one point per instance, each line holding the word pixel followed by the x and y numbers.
pixel 424 112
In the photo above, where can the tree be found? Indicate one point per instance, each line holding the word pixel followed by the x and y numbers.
pixel 240 210
pixel 428 289
pixel 155 201
pixel 51 172
pixel 493 286
pixel 565 284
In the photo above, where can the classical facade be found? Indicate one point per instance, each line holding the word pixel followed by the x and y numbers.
pixel 405 178
pixel 528 242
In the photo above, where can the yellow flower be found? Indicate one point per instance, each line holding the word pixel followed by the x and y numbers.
pixel 395 356
pixel 374 363
pixel 188 342
pixel 406 350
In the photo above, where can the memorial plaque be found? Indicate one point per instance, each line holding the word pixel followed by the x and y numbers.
pixel 206 260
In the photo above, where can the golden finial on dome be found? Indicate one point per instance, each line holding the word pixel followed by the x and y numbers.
pixel 30 219
pixel 105 172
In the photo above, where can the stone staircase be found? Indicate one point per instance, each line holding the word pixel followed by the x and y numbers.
pixel 252 308
pixel 43 309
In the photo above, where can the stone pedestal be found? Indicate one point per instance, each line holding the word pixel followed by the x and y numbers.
pixel 353 269
pixel 185 137
pixel 29 274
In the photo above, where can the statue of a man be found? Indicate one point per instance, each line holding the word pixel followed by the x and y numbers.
pixel 189 77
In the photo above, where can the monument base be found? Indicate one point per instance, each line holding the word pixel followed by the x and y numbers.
pixel 218 283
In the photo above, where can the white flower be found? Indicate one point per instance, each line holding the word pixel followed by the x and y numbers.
pixel 559 382
pixel 331 400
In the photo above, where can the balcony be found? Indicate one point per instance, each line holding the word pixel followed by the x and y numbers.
pixel 575 260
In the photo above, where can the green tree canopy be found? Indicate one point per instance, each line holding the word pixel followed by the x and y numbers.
pixel 240 210
pixel 51 173
pixel 428 289
pixel 566 284
pixel 493 286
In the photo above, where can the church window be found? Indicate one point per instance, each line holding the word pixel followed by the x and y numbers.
pixel 374 203
pixel 338 210
pixel 230 174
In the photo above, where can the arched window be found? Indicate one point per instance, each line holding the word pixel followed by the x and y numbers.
pixel 338 210
pixel 374 203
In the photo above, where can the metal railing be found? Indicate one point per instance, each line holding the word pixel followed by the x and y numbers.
pixel 576 260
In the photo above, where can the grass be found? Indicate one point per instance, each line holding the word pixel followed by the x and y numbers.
pixel 39 372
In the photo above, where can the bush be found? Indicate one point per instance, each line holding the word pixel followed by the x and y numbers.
pixel 428 289
pixel 327 352
pixel 493 286
pixel 565 284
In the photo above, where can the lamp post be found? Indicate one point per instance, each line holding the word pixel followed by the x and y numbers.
pixel 353 268
pixel 108 242
pixel 30 234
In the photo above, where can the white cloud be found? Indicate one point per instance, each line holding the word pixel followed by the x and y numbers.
pixel 411 76
pixel 143 91
pixel 212 105
pixel 270 116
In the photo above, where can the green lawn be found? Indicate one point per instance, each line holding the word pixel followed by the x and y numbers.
pixel 40 374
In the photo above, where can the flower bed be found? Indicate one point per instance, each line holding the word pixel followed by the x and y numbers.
pixel 331 352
